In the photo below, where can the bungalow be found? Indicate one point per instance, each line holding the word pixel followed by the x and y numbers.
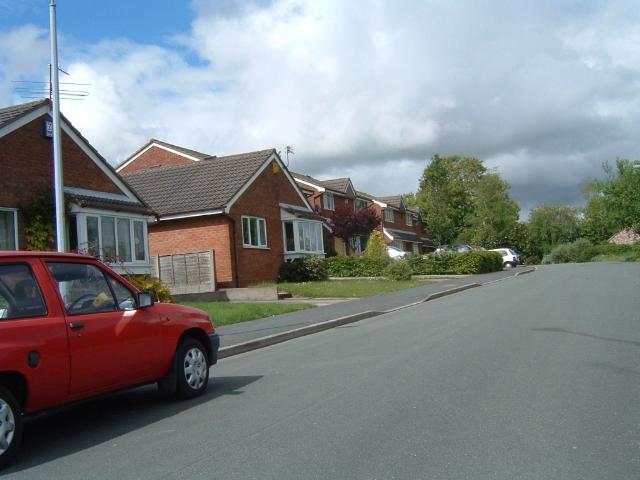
pixel 246 208
pixel 104 215
pixel 400 225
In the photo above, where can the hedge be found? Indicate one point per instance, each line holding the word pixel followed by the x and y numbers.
pixel 582 251
pixel 432 264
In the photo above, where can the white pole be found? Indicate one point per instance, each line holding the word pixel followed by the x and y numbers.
pixel 57 151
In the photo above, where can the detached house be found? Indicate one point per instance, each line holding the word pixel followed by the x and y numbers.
pixel 104 215
pixel 246 209
pixel 400 226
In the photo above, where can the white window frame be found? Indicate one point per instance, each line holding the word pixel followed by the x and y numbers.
pixel 15 225
pixel 299 243
pixel 260 242
pixel 388 215
pixel 408 219
pixel 328 201
pixel 83 239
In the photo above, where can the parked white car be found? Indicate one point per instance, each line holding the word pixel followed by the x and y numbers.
pixel 395 252
pixel 509 257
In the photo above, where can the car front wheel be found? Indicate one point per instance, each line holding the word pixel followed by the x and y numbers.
pixel 10 426
pixel 193 368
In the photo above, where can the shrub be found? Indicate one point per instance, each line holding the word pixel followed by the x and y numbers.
pixel 376 248
pixel 305 269
pixel 147 283
pixel 580 250
pixel 355 266
pixel 455 263
pixel 532 260
pixel 398 270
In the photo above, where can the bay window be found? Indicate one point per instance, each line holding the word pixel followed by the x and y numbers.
pixel 303 236
pixel 114 239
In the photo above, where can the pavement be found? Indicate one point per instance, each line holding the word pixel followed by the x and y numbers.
pixel 330 313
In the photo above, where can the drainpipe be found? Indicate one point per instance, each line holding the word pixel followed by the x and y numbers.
pixel 234 250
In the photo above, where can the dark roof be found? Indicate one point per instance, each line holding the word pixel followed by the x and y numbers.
pixel 108 203
pixel 307 215
pixel 186 151
pixel 338 185
pixel 394 201
pixel 9 114
pixel 205 185
pixel 402 235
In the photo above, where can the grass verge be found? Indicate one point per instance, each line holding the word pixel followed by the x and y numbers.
pixel 347 288
pixel 225 313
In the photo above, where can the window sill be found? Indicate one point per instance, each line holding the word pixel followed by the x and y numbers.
pixel 253 247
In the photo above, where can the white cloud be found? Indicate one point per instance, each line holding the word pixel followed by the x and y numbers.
pixel 544 92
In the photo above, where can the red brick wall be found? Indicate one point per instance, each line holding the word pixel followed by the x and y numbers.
pixel 26 160
pixel 261 199
pixel 155 157
pixel 197 234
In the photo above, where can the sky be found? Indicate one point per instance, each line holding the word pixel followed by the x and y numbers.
pixel 543 92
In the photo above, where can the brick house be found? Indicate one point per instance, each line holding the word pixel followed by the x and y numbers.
pixel 245 208
pixel 104 215
pixel 401 226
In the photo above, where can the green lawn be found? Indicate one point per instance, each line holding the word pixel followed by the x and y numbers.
pixel 226 313
pixel 347 288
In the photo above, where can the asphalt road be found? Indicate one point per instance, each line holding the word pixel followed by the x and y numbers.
pixel 533 377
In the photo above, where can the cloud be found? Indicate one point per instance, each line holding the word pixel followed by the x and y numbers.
pixel 543 92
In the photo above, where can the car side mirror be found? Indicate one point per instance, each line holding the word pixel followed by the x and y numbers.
pixel 144 299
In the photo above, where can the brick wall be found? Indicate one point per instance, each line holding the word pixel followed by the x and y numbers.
pixel 197 234
pixel 155 157
pixel 26 157
pixel 261 199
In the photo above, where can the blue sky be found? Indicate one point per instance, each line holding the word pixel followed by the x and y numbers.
pixel 92 21
pixel 543 92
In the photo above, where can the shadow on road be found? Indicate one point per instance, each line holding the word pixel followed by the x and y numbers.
pixel 73 429
pixel 562 330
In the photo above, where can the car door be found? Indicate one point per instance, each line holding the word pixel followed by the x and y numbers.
pixel 112 343
pixel 33 337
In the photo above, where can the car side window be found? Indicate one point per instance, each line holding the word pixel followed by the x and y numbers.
pixel 124 297
pixel 20 295
pixel 83 288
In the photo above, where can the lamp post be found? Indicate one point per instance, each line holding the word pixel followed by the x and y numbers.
pixel 57 151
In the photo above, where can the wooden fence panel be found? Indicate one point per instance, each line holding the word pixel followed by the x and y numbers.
pixel 186 273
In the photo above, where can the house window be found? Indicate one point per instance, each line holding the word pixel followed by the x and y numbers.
pixel 116 238
pixel 388 215
pixel 328 201
pixel 409 219
pixel 8 229
pixel 254 232
pixel 303 236
pixel 360 204
pixel 356 244
pixel 397 244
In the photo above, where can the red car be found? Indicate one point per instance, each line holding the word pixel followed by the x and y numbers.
pixel 72 328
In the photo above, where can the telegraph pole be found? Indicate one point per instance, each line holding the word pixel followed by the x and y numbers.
pixel 57 150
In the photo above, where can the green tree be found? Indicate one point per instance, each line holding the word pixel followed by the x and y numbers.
pixel 446 195
pixel 550 225
pixel 494 214
pixel 613 203
pixel 376 248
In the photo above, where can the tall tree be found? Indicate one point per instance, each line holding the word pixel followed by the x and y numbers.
pixel 494 215
pixel 613 203
pixel 347 222
pixel 551 225
pixel 446 194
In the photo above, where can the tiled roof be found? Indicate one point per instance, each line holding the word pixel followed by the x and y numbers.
pixel 108 203
pixel 205 185
pixel 393 201
pixel 9 114
pixel 339 185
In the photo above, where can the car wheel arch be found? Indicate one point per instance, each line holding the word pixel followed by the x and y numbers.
pixel 16 383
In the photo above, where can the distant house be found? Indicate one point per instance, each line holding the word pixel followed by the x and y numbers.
pixel 246 208
pixel 628 236
pixel 401 226
pixel 104 217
